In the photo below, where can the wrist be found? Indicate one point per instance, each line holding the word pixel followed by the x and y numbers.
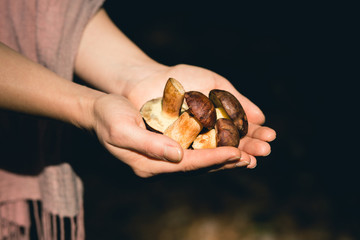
pixel 85 116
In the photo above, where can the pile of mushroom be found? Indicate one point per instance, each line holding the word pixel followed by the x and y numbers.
pixel 195 120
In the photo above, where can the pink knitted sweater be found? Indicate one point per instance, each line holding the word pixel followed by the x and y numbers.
pixel 47 32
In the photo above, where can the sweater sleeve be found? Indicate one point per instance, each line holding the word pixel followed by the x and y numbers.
pixel 46 31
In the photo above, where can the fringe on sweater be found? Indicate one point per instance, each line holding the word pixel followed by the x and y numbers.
pixel 41 225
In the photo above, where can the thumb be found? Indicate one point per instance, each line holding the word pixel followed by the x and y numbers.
pixel 152 144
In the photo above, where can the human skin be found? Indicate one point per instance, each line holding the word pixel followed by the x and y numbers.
pixel 124 78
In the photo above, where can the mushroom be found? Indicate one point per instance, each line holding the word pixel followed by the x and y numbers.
pixel 160 113
pixel 230 115
pixel 205 140
pixel 225 133
pixel 225 100
pixel 201 113
pixel 201 108
pixel 184 130
pixel 220 116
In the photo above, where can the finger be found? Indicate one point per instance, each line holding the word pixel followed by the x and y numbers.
pixel 204 158
pixel 244 161
pixel 255 146
pixel 144 166
pixel 140 163
pixel 198 159
pixel 148 143
pixel 253 112
pixel 261 132
pixel 253 162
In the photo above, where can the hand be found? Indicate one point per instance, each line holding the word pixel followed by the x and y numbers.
pixel 203 80
pixel 121 130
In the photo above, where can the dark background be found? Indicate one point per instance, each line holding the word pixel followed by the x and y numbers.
pixel 294 61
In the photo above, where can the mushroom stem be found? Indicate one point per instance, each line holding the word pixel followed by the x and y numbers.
pixel 173 98
pixel 221 113
pixel 205 140
pixel 184 130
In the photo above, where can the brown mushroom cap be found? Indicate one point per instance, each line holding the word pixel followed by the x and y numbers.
pixel 233 108
pixel 201 108
pixel 227 133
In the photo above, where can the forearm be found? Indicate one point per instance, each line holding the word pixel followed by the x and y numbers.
pixel 108 60
pixel 30 88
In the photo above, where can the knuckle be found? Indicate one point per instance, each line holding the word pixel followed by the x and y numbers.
pixel 115 134
pixel 191 166
pixel 149 149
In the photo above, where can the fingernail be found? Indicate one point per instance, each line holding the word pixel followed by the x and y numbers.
pixel 234 159
pixel 172 154
pixel 242 164
pixel 254 166
pixel 268 153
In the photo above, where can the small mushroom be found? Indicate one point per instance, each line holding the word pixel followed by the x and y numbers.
pixel 184 130
pixel 201 108
pixel 160 113
pixel 227 101
pixel 200 113
pixel 225 133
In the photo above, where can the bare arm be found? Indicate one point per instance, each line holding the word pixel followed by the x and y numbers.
pixel 28 87
pixel 110 61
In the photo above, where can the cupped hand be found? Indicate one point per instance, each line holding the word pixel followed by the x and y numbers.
pixel 254 144
pixel 121 130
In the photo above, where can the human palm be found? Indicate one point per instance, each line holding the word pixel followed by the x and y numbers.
pixel 191 77
pixel 203 80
